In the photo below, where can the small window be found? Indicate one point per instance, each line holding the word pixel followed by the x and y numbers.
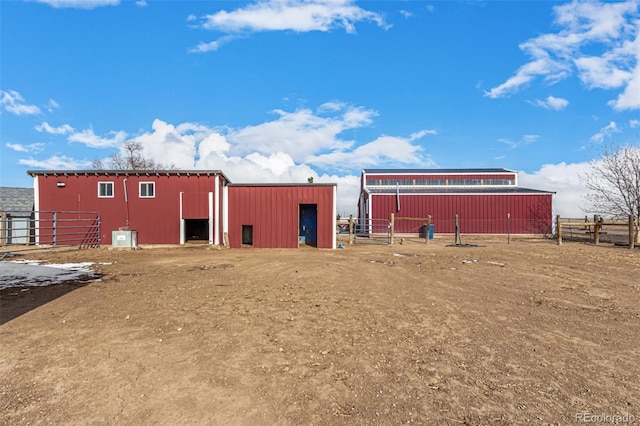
pixel 247 235
pixel 147 189
pixel 105 189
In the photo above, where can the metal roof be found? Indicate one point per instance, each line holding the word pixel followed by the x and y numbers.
pixel 436 171
pixel 458 190
pixel 141 172
pixel 14 200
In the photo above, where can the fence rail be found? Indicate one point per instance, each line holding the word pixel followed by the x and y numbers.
pixel 421 229
pixel 598 230
pixel 49 228
pixel 370 231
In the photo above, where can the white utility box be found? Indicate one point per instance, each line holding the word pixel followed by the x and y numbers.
pixel 124 239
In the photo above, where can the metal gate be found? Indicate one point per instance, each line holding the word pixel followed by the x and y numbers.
pixel 372 231
pixel 26 229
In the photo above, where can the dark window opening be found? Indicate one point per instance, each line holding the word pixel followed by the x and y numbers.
pixel 308 224
pixel 247 235
pixel 196 229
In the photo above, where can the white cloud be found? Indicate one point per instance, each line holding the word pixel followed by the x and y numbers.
pixel 13 103
pixel 295 15
pixel 60 130
pixel 388 150
pixel 630 97
pixel 79 4
pixel 212 45
pixel 605 132
pixel 56 163
pixel 551 102
pixel 286 149
pixel 52 105
pixel 613 28
pixel 141 3
pixel 524 140
pixel 564 180
pixel 301 133
pixel 634 123
pixel 348 192
pixel 406 13
pixel 169 145
pixel 90 139
pixel 33 147
pixel 86 137
pixel 286 15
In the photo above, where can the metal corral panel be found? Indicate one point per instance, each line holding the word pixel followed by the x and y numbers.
pixel 156 219
pixel 273 212
pixel 477 213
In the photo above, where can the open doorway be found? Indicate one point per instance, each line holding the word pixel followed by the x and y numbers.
pixel 247 235
pixel 308 224
pixel 196 229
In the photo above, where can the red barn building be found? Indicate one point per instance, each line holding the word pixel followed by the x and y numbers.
pixel 176 206
pixel 486 201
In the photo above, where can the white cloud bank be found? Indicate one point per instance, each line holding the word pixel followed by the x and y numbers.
pixel 294 144
pixel 288 148
pixel 598 41
pixel 564 180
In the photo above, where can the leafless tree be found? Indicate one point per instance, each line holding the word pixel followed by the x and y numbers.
pixel 613 183
pixel 130 157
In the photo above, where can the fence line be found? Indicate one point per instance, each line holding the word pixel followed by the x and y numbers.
pixel 619 232
pixel 371 231
pixel 50 228
pixel 422 229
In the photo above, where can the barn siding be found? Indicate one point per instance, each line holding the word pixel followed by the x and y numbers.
pixel 273 211
pixel 477 213
pixel 157 220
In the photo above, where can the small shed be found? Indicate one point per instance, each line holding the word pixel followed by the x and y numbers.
pixel 16 212
pixel 282 215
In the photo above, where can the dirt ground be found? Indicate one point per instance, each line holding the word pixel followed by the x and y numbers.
pixel 497 334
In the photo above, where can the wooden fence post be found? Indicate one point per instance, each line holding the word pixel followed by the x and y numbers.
pixel 559 230
pixel 458 240
pixel 428 230
pixel 632 232
pixel 350 229
pixel 392 227
pixel 596 230
pixel 3 229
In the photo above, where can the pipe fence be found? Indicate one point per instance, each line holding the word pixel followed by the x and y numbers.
pixel 40 229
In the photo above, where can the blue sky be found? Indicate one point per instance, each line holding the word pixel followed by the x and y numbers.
pixel 278 91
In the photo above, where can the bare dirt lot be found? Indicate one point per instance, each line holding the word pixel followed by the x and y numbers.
pixel 499 334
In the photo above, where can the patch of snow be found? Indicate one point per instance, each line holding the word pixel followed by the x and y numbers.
pixel 30 273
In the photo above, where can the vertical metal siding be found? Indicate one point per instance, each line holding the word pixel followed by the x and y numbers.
pixel 273 212
pixel 157 219
pixel 478 214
